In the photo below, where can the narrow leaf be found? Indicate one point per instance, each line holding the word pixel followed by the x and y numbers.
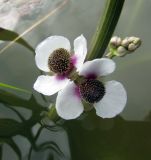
pixel 13 100
pixel 14 88
pixel 7 35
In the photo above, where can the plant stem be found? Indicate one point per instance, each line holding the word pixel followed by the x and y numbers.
pixel 105 28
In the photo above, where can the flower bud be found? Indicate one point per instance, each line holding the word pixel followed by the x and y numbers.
pixel 132 47
pixel 120 47
pixel 121 51
pixel 115 41
pixel 137 42
pixel 131 39
pixel 125 42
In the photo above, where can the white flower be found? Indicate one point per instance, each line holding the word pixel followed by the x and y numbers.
pixel 113 95
pixel 49 85
pixel 52 54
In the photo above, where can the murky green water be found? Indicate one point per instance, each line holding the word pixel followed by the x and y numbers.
pixel 126 137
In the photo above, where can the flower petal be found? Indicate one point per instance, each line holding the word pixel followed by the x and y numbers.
pixel 80 51
pixel 97 67
pixel 68 103
pixel 49 85
pixel 113 101
pixel 46 47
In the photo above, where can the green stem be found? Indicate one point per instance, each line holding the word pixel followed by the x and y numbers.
pixel 52 114
pixel 105 28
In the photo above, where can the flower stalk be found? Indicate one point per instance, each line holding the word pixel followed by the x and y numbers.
pixel 105 28
pixel 52 114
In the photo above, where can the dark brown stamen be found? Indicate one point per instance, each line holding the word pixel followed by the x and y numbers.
pixel 92 90
pixel 59 61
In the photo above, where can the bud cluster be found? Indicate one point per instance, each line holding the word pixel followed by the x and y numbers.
pixel 121 47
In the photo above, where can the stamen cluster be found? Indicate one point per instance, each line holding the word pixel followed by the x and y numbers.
pixel 59 61
pixel 92 90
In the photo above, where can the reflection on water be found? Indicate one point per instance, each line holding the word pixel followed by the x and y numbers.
pixel 12 11
pixel 9 20
pixel 24 137
pixel 22 133
pixel 114 139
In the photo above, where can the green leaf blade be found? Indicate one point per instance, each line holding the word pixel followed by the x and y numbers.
pixel 3 85
pixel 7 35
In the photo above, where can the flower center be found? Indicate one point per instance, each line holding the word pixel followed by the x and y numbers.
pixel 59 61
pixel 92 90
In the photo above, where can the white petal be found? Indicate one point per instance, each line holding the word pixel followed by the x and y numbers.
pixel 97 67
pixel 113 101
pixel 80 51
pixel 46 47
pixel 49 85
pixel 68 103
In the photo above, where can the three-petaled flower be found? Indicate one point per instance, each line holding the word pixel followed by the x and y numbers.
pixel 53 54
